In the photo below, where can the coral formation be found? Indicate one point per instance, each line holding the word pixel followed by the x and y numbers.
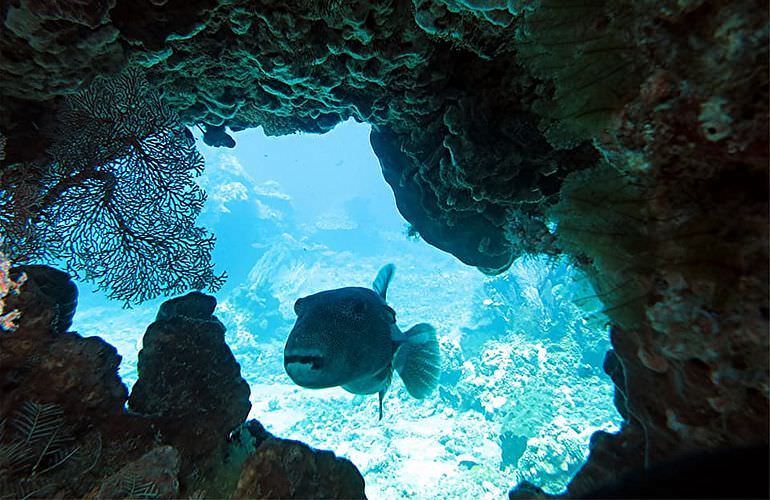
pixel 8 286
pixel 673 231
pixel 222 65
pixel 290 469
pixel 37 47
pixel 587 56
pixel 430 75
pixel 48 50
pixel 172 384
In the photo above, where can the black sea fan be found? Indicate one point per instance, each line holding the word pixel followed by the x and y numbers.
pixel 118 203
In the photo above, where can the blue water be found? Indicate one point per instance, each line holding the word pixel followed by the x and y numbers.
pixel 299 214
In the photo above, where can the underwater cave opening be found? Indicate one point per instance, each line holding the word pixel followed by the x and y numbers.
pixel 522 387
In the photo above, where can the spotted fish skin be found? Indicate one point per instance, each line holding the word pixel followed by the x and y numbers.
pixel 348 337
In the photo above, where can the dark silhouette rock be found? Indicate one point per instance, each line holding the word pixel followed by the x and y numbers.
pixel 723 473
pixel 280 468
pixel 47 291
pixel 154 475
pixel 40 361
pixel 186 370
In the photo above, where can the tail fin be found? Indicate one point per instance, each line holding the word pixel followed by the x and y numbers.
pixel 418 360
pixel 382 280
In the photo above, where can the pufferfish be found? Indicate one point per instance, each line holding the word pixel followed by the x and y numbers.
pixel 348 337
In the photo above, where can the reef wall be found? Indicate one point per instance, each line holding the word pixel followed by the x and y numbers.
pixel 631 135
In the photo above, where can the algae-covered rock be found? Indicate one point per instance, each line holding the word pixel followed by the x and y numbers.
pixel 48 291
pixel 40 361
pixel 154 475
pixel 186 370
pixel 281 468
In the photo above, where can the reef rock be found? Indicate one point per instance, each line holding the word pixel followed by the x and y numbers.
pixel 449 100
pixel 40 361
pixel 154 475
pixel 479 110
pixel 188 399
pixel 186 370
pixel 47 292
pixel 190 388
pixel 280 468
pixel 37 46
pixel 673 233
pixel 49 49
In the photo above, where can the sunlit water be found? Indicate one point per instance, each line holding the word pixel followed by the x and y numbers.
pixel 299 214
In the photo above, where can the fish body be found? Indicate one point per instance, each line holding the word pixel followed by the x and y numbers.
pixel 348 337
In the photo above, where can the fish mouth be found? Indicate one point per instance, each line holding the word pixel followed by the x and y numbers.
pixel 311 361
pixel 303 358
pixel 307 367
